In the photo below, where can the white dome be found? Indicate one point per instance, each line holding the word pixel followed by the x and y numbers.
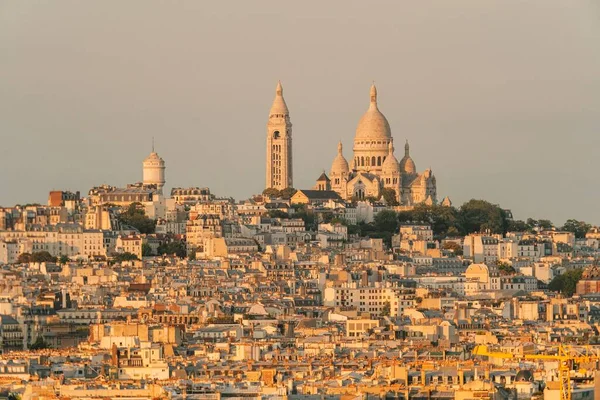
pixel 390 165
pixel 407 165
pixel 373 125
pixel 339 165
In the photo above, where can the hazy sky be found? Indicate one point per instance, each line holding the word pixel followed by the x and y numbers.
pixel 500 98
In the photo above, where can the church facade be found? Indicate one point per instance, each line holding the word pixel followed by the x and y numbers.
pixel 374 166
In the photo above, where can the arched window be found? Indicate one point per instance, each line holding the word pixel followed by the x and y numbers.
pixel 373 161
pixel 362 161
pixel 379 161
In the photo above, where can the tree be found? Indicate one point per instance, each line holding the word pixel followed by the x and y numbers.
pixel 278 214
pixel 385 311
pixel 287 193
pixel 579 228
pixel 42 256
pixel 386 221
pixel 383 227
pixel 480 215
pixel 39 344
pixel 339 220
pixel 518 226
pixel 353 230
pixel 24 258
pixel 120 257
pixel 454 247
pixel 146 250
pixel 306 215
pixel 506 269
pixel 567 282
pixel 444 221
pixel 176 247
pixel 389 195
pixel 543 224
pixel 63 259
pixel 135 216
pixel 271 192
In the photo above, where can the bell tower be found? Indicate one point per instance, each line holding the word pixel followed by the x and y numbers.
pixel 279 144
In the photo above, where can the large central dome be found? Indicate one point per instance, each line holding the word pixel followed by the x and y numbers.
pixel 373 125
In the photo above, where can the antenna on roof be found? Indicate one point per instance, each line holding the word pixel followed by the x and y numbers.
pixel 153 144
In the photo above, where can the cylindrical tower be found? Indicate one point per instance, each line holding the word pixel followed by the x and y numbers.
pixel 154 171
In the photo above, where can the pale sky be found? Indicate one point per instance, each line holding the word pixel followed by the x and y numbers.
pixel 500 98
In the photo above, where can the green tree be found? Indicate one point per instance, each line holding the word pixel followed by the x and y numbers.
pixel 444 221
pixel 39 344
pixel 353 230
pixel 506 269
pixel 135 216
pixel 126 256
pixel 543 224
pixel 63 259
pixel 287 193
pixel 579 228
pixel 306 215
pixel 339 220
pixel 386 221
pixel 454 247
pixel 176 247
pixel 278 214
pixel 42 256
pixel 383 227
pixel 566 283
pixel 518 226
pixel 24 258
pixel 385 311
pixel 389 195
pixel 480 215
pixel 146 250
pixel 271 192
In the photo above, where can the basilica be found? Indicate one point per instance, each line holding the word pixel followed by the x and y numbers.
pixel 375 167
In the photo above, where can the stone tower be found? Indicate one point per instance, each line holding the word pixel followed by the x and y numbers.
pixel 154 170
pixel 279 144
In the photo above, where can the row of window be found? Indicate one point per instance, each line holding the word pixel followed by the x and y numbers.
pixel 369 162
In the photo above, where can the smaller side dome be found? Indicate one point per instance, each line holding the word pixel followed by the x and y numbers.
pixel 340 164
pixel 390 165
pixel 407 165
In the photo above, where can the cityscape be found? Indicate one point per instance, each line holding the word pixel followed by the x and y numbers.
pixel 366 284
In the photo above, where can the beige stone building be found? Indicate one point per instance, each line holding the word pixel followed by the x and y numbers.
pixel 279 144
pixel 130 244
pixel 374 166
